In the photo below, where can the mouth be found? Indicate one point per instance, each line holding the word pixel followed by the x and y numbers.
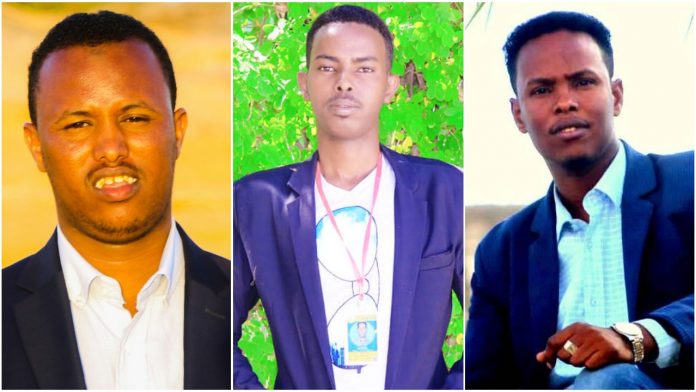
pixel 114 181
pixel 115 187
pixel 343 106
pixel 569 129
pixel 343 109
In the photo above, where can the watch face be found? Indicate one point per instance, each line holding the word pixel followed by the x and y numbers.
pixel 628 329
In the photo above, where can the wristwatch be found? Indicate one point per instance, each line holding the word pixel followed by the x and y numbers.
pixel 634 334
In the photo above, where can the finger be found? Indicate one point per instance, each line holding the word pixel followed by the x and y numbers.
pixel 555 344
pixel 582 354
pixel 563 355
pixel 596 360
pixel 541 357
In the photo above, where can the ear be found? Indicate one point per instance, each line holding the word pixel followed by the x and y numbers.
pixel 617 92
pixel 302 82
pixel 180 126
pixel 517 114
pixel 393 83
pixel 31 139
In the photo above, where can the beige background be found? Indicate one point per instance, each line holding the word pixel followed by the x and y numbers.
pixel 197 37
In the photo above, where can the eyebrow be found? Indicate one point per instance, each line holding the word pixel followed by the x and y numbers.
pixel 136 105
pixel 87 113
pixel 355 60
pixel 550 81
pixel 66 113
pixel 581 73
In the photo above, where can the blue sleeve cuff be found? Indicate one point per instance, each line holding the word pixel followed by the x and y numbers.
pixel 668 347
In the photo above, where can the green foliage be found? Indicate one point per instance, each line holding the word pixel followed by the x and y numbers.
pixel 274 126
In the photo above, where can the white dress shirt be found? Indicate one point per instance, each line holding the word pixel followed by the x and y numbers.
pixel 118 351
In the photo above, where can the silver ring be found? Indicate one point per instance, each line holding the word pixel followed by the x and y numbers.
pixel 570 347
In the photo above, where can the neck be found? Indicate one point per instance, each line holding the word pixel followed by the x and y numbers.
pixel 345 163
pixel 131 264
pixel 573 185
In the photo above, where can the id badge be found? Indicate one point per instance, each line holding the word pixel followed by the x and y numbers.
pixel 362 339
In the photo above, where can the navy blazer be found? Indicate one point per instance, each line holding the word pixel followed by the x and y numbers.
pixel 39 346
pixel 514 304
pixel 275 259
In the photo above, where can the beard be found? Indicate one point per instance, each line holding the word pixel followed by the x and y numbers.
pixel 121 231
pixel 579 166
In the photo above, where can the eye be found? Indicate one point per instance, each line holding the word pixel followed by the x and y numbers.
pixel 326 68
pixel 366 69
pixel 585 82
pixel 540 90
pixel 77 124
pixel 134 118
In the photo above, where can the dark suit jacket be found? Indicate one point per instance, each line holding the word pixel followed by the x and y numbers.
pixel 275 259
pixel 39 346
pixel 514 302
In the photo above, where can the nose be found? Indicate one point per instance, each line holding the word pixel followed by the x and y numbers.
pixel 110 144
pixel 566 101
pixel 343 84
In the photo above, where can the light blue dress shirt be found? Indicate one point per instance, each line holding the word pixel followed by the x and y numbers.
pixel 592 285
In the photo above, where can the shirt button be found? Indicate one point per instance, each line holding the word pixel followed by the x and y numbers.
pixel 593 302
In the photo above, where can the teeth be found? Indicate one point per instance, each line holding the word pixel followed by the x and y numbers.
pixel 114 180
pixel 567 130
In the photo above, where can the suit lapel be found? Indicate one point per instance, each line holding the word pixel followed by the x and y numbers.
pixel 301 213
pixel 206 321
pixel 543 273
pixel 45 322
pixel 636 212
pixel 409 217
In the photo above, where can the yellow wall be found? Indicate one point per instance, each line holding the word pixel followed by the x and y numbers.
pixel 197 37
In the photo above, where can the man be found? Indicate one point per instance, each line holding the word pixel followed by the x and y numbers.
pixel 358 233
pixel 120 297
pixel 595 278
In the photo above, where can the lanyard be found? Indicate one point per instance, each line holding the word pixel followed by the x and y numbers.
pixel 359 274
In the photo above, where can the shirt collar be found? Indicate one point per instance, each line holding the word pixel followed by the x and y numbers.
pixel 79 273
pixel 611 184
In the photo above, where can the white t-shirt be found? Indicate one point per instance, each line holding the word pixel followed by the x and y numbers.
pixel 356 336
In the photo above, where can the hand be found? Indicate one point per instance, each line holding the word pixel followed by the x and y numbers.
pixel 596 347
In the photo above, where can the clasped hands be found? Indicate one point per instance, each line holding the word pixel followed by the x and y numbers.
pixel 595 347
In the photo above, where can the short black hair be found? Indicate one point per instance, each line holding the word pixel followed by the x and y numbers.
pixel 550 23
pixel 83 29
pixel 348 14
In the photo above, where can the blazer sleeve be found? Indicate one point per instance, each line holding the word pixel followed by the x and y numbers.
pixel 455 378
pixel 677 319
pixel 245 297
pixel 488 363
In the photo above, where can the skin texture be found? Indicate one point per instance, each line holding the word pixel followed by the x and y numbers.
pixel 561 82
pixel 597 347
pixel 347 83
pixel 103 112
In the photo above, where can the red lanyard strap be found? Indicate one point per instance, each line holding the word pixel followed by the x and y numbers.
pixel 359 274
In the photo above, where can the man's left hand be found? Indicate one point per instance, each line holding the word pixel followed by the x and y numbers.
pixel 595 347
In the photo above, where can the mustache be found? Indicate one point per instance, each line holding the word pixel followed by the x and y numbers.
pixel 342 98
pixel 130 169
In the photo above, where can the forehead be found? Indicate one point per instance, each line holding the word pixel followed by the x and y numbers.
pixel 341 37
pixel 76 65
pixel 559 52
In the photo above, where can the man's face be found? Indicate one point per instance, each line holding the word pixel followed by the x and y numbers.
pixel 348 80
pixel 362 329
pixel 107 138
pixel 566 101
